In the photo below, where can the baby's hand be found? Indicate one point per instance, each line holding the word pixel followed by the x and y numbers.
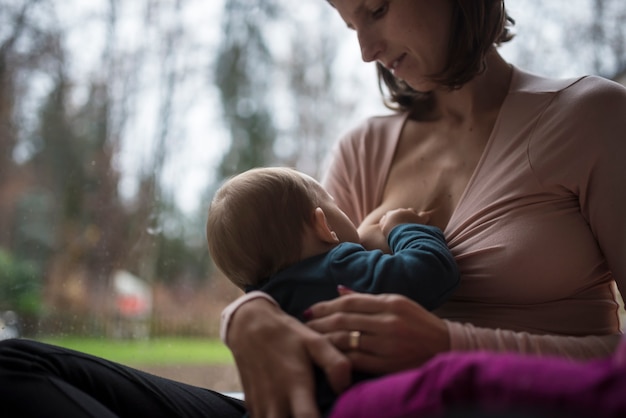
pixel 396 217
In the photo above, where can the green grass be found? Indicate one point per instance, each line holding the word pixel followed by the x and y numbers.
pixel 158 351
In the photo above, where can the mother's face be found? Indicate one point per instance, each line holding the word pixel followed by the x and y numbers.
pixel 409 37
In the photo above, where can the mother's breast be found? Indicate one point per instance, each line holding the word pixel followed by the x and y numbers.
pixel 531 263
pixel 534 251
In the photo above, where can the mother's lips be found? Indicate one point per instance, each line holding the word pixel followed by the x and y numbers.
pixel 391 66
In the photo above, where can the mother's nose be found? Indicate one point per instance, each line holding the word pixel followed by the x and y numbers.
pixel 371 46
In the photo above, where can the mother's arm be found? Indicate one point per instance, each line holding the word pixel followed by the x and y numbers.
pixel 398 334
pixel 466 337
pixel 274 354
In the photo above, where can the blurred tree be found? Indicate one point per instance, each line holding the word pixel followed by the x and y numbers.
pixel 60 157
pixel 20 287
pixel 318 109
pixel 244 73
pixel 105 218
pixel 27 44
pixel 560 38
pixel 160 252
pixel 607 39
pixel 73 162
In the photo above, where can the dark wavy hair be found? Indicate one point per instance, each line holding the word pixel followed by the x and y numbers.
pixel 478 25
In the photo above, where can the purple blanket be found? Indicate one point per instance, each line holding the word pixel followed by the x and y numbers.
pixel 492 383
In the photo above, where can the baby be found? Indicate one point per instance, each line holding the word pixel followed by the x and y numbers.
pixel 277 230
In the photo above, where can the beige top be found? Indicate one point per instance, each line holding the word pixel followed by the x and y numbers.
pixel 540 231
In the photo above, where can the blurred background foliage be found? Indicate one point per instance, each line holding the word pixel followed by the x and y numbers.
pixel 119 119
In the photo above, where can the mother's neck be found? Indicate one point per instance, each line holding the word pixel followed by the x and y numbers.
pixel 484 94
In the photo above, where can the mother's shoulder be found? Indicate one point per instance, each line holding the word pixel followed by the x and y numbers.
pixel 524 81
pixel 527 82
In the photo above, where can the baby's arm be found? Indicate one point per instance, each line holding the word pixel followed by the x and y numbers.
pixel 375 228
pixel 420 266
pixel 396 217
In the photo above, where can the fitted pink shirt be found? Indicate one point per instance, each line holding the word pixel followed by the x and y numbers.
pixel 539 233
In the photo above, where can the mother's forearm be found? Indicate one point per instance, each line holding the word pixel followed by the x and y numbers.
pixel 467 337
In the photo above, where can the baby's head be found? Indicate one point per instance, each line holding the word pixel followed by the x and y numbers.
pixel 257 221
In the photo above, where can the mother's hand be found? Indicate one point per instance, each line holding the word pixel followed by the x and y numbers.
pixel 274 354
pixel 396 333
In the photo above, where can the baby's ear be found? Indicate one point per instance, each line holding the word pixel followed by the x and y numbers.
pixel 321 227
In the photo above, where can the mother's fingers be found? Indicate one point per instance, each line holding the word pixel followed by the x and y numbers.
pixel 345 290
pixel 376 344
pixel 371 355
pixel 344 323
pixel 361 312
pixel 336 366
pixel 352 341
pixel 274 354
pixel 353 302
pixel 372 363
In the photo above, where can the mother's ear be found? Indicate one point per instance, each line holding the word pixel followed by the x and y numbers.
pixel 321 227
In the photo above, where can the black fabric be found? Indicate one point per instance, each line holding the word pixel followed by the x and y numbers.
pixel 42 380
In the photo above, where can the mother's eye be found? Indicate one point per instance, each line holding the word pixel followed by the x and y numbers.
pixel 381 10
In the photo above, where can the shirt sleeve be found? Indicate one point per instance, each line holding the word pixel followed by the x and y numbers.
pixel 421 267
pixel 467 337
pixel 230 310
pixel 424 250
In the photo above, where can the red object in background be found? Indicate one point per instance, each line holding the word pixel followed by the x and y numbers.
pixel 131 305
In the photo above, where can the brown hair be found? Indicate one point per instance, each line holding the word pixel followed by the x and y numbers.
pixel 256 223
pixel 478 25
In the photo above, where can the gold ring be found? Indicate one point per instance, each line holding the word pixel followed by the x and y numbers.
pixel 355 340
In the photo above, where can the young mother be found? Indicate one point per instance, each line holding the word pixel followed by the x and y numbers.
pixel 524 174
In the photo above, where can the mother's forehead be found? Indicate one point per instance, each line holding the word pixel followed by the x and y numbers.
pixel 350 10
pixel 350 7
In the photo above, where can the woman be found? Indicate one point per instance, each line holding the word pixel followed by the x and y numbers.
pixel 523 174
